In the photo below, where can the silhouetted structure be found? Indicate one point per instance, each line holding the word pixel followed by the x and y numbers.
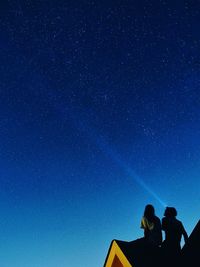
pixel 191 250
pixel 135 253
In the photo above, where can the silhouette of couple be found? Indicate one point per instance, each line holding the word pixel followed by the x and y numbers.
pixel 173 229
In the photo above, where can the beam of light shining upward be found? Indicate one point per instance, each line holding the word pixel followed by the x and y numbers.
pixel 100 141
pixel 81 123
pixel 127 169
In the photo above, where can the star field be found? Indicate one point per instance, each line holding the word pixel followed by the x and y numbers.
pixel 100 107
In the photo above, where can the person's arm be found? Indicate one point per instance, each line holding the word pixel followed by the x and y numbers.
pixel 144 227
pixel 146 231
pixel 160 230
pixel 163 224
pixel 184 233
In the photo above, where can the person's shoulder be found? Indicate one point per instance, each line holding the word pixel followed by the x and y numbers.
pixel 179 223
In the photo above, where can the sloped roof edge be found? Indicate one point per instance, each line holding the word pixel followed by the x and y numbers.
pixel 115 251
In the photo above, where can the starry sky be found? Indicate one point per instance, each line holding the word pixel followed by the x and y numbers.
pixel 100 115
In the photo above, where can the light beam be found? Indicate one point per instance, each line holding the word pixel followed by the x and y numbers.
pixel 82 124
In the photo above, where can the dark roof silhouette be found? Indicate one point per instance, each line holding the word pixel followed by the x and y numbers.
pixel 191 249
pixel 128 254
pixel 118 254
pixel 136 254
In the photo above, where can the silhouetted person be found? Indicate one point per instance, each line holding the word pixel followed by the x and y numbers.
pixel 152 226
pixel 174 230
pixel 152 236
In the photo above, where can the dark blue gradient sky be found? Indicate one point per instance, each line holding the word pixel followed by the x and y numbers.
pixel 100 115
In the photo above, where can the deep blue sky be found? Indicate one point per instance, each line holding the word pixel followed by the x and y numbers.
pixel 100 115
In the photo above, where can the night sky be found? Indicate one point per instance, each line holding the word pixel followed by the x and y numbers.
pixel 100 115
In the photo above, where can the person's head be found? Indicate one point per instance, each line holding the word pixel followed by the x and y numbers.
pixel 170 212
pixel 149 211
